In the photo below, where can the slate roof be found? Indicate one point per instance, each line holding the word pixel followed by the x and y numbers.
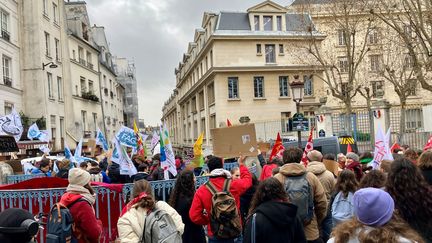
pixel 299 2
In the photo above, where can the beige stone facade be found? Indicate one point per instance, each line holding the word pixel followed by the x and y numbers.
pixel 240 64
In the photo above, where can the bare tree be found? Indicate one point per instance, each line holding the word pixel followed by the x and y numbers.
pixel 343 60
pixel 412 21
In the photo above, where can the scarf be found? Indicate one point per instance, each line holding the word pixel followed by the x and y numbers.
pixel 133 202
pixel 220 172
pixel 77 189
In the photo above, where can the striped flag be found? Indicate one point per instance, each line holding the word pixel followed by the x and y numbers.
pixel 308 148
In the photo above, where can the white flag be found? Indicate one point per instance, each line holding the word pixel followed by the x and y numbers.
pixel 154 141
pixel 11 125
pixel 382 147
pixel 101 140
pixel 126 165
pixel 169 163
pixel 78 149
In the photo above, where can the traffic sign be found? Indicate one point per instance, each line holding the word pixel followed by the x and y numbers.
pixel 300 123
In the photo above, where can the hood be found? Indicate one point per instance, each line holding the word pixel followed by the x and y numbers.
pixel 292 169
pixel 316 167
pixel 281 214
pixel 69 198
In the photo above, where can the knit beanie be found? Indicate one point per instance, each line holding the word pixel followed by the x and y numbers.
pixel 353 156
pixel 78 177
pixel 13 217
pixel 372 206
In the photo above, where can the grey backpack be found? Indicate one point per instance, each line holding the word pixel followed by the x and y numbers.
pixel 159 227
pixel 300 194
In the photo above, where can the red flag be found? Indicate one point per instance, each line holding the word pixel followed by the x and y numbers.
pixel 349 149
pixel 428 144
pixel 277 147
pixel 228 123
pixel 308 148
pixel 395 146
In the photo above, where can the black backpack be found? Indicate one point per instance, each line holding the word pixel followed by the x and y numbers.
pixel 60 223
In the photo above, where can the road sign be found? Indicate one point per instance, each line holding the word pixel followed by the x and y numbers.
pixel 300 123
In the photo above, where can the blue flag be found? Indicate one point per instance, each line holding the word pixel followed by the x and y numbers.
pixel 100 140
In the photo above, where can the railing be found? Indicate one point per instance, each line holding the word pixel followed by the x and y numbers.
pixel 108 206
pixel 7 81
pixel 82 61
pixel 12 179
pixel 5 34
pixel 90 65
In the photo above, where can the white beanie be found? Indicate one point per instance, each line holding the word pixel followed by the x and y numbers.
pixel 78 177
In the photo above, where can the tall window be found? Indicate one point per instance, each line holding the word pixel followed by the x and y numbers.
pixel 53 126
pixel 281 49
pixel 60 88
pixel 90 86
pixel 270 54
pixel 374 62
pixel 84 120
pixel 412 87
pixel 50 86
pixel 57 49
pixel 256 22
pixel 259 87
pixel 377 89
pixel 308 85
pixel 233 88
pixel 268 23
pixel 81 55
pixel 210 94
pixel 89 60
pixel 47 44
pixel 45 7
pixel 4 24
pixel 62 130
pixel 83 85
pixel 414 118
pixel 194 105
pixel 373 37
pixel 201 100
pixel 6 64
pixel 343 64
pixel 279 23
pixel 283 86
pixel 341 37
pixel 8 107
pixel 55 14
pixel 258 48
pixel 94 122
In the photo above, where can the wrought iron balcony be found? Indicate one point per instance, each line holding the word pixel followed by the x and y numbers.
pixel 7 81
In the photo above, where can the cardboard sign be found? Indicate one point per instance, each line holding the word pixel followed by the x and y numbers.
pixel 229 142
pixel 331 166
pixel 91 147
pixel 8 144
pixel 264 147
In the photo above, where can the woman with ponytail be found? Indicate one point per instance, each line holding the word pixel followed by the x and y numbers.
pixel 132 219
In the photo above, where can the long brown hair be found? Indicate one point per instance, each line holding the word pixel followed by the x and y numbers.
pixel 184 188
pixel 425 160
pixel 147 201
pixel 268 190
pixel 346 183
pixel 387 233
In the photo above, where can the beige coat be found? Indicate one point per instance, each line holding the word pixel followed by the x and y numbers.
pixel 320 200
pixel 326 178
pixel 131 225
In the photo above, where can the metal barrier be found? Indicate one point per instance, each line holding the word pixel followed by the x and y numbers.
pixel 12 179
pixel 108 206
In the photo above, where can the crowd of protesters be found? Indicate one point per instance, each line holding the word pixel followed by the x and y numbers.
pixel 287 202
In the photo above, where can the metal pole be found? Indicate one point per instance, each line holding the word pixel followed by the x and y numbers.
pixel 298 132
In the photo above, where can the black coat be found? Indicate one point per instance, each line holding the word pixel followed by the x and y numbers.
pixel 193 233
pixel 275 222
pixel 427 174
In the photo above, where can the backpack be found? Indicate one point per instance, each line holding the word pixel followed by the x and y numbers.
pixel 159 227
pixel 60 224
pixel 225 218
pixel 342 208
pixel 300 194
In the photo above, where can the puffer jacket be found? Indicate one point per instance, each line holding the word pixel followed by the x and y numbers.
pixel 131 225
pixel 324 176
pixel 320 199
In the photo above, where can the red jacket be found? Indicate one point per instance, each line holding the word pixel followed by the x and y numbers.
pixel 87 227
pixel 267 171
pixel 203 197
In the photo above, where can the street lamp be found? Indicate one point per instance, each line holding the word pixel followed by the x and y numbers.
pixel 51 65
pixel 297 88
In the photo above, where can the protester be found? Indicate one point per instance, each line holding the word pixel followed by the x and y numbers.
pixel 202 206
pixel 271 217
pixel 95 172
pixel 327 180
pixel 84 165
pixel 15 218
pixel 342 201
pixel 412 196
pixel 115 176
pixel 385 166
pixel 353 164
pixel 425 165
pixel 133 217
pixel 180 164
pixel 268 168
pixel 365 159
pixel 341 159
pixel 103 165
pixel 246 198
pixel 312 204
pixel 373 221
pixel 44 168
pixel 143 173
pixel 412 155
pixel 235 173
pixel 375 178
pixel 79 198
pixel 64 166
pixel 181 200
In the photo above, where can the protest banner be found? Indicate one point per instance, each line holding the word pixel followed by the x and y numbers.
pixel 230 142
pixel 126 136
pixel 8 144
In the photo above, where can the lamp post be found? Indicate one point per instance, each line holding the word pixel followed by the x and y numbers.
pixel 50 65
pixel 297 88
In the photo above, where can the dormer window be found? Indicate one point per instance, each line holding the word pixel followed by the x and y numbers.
pixel 268 23
pixel 256 22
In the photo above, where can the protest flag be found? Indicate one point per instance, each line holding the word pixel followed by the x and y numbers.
pixel 78 149
pixel 394 147
pixel 169 164
pixel 101 140
pixel 382 148
pixel 229 123
pixel 198 159
pixel 278 147
pixel 139 145
pixel 428 144
pixel 308 148
pixel 349 148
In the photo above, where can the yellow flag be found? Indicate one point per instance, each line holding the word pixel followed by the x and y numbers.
pixel 136 130
pixel 197 148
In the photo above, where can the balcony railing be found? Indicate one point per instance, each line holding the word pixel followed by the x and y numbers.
pixel 7 81
pixel 90 65
pixel 5 34
pixel 82 61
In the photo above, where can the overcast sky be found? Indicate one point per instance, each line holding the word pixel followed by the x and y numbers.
pixel 155 34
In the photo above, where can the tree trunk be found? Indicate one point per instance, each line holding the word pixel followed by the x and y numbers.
pixel 371 122
pixel 348 120
pixel 402 124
